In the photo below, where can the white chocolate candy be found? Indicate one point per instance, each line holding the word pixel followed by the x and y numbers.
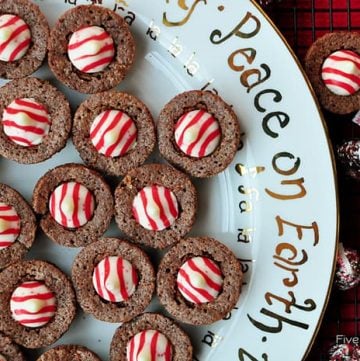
pixel 15 38
pixel 26 122
pixel 115 279
pixel 9 225
pixel 200 280
pixel 197 133
pixel 341 72
pixel 91 49
pixel 149 345
pixel 71 205
pixel 113 133
pixel 155 208
pixel 32 304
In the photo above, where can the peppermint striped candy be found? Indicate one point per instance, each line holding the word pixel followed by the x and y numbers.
pixel 26 122
pixel 32 304
pixel 91 49
pixel 9 225
pixel 71 205
pixel 197 133
pixel 155 208
pixel 15 38
pixel 115 279
pixel 113 133
pixel 200 280
pixel 341 72
pixel 149 345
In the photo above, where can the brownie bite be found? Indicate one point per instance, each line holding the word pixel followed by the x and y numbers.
pixel 69 353
pixel 24 34
pixel 9 351
pixel 199 281
pixel 37 303
pixel 91 49
pixel 114 280
pixel 75 205
pixel 35 120
pixel 148 334
pixel 155 205
pixel 198 133
pixel 17 226
pixel 113 132
pixel 332 64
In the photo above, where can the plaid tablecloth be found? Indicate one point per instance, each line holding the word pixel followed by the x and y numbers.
pixel 303 21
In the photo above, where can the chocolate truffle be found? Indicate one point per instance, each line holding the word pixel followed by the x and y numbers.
pixel 75 205
pixel 91 49
pixel 113 132
pixel 24 34
pixel 155 205
pixel 114 280
pixel 199 281
pixel 198 133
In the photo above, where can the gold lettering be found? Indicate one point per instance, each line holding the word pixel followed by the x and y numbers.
pixel 299 228
pixel 253 171
pixel 247 77
pixel 249 17
pixel 248 53
pixel 290 171
pixel 182 5
pixel 285 197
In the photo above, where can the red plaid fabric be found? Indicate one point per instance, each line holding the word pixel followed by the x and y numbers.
pixel 303 21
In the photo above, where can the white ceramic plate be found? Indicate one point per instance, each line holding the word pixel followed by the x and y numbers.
pixel 275 206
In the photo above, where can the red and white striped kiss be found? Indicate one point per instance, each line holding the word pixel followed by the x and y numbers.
pixel 113 133
pixel 200 280
pixel 26 122
pixel 71 205
pixel 155 208
pixel 115 279
pixel 9 225
pixel 91 49
pixel 32 304
pixel 341 72
pixel 197 133
pixel 15 38
pixel 149 345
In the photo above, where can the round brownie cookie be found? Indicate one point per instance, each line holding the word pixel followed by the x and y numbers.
pixel 47 296
pixel 332 64
pixel 91 49
pixel 166 337
pixel 17 226
pixel 114 280
pixel 9 350
pixel 35 120
pixel 199 281
pixel 25 50
pixel 198 133
pixel 69 353
pixel 113 132
pixel 75 205
pixel 155 205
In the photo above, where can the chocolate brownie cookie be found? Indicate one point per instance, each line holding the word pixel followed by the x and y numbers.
pixel 45 294
pixel 24 34
pixel 91 49
pixel 69 353
pixel 114 132
pixel 155 205
pixel 114 280
pixel 9 351
pixel 35 120
pixel 17 226
pixel 198 133
pixel 158 333
pixel 199 281
pixel 333 66
pixel 75 205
